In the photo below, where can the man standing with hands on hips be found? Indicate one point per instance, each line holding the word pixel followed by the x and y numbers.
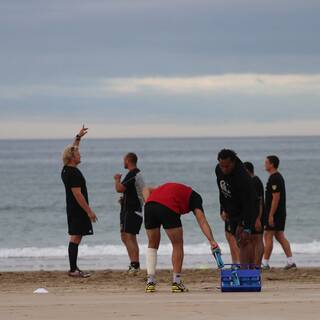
pixel 79 213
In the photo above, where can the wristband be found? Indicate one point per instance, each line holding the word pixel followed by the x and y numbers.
pixel 78 138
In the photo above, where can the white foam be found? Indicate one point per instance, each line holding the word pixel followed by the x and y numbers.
pixel 311 248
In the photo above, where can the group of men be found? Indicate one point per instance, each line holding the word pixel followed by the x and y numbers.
pixel 250 222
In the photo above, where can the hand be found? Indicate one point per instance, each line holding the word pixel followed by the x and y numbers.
pixel 117 177
pixel 93 217
pixel 271 221
pixel 224 216
pixel 258 225
pixel 214 244
pixel 82 132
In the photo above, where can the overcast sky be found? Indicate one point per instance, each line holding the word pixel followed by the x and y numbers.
pixel 145 68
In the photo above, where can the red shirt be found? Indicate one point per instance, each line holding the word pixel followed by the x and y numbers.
pixel 175 196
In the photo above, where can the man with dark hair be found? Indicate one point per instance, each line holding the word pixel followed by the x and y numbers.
pixel 79 213
pixel 164 206
pixel 131 208
pixel 238 202
pixel 276 213
pixel 257 233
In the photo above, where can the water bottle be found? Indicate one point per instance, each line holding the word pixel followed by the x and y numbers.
pixel 216 252
pixel 235 279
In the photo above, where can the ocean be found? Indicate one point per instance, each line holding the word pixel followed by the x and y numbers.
pixel 33 229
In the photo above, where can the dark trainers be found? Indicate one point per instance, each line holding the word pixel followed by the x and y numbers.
pixel 290 266
pixel 79 274
pixel 179 287
pixel 265 267
pixel 133 271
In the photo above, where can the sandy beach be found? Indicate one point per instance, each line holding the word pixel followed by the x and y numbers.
pixel 115 295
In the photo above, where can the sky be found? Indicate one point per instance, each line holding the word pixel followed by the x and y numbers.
pixel 169 68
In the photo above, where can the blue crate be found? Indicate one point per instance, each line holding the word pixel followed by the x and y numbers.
pixel 249 279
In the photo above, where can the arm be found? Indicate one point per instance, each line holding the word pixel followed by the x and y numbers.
pixel 119 187
pixel 205 228
pixel 83 203
pixel 78 137
pixel 274 207
pixel 248 204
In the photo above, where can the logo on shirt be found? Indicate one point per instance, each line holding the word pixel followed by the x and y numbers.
pixel 225 189
pixel 274 187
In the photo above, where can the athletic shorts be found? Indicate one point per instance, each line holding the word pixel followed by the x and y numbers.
pixel 157 215
pixel 130 222
pixel 279 223
pixel 231 226
pixel 79 224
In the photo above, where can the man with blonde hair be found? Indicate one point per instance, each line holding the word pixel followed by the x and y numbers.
pixel 79 213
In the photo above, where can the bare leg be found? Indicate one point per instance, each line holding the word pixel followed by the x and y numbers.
pixel 279 235
pixel 247 252
pixel 176 237
pixel 131 243
pixel 268 244
pixel 75 239
pixel 258 249
pixel 234 249
pixel 154 237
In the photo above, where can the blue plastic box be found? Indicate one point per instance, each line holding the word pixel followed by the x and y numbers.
pixel 249 280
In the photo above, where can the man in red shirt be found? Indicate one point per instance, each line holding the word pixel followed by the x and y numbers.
pixel 164 206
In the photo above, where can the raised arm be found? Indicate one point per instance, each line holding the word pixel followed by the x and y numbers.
pixel 79 136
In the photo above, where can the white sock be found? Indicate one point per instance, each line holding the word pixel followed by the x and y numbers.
pixel 265 262
pixel 290 260
pixel 176 277
pixel 151 279
pixel 151 261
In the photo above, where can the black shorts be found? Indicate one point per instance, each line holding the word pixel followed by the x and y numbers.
pixel 130 222
pixel 230 226
pixel 79 224
pixel 279 223
pixel 155 215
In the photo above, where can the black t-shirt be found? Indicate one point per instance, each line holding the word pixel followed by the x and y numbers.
pixel 132 197
pixel 258 186
pixel 237 195
pixel 276 184
pixel 73 178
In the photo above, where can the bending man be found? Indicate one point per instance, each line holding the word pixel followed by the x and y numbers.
pixel 164 206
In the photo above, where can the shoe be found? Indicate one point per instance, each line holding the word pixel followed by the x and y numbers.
pixel 79 274
pixel 133 271
pixel 290 266
pixel 265 267
pixel 179 287
pixel 150 287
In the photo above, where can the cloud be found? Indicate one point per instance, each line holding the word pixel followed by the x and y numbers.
pixel 48 129
pixel 227 84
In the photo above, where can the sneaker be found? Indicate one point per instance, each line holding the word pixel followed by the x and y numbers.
pixel 179 287
pixel 290 266
pixel 79 274
pixel 133 271
pixel 265 267
pixel 150 287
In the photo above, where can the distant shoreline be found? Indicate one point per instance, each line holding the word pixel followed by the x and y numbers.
pixel 165 138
